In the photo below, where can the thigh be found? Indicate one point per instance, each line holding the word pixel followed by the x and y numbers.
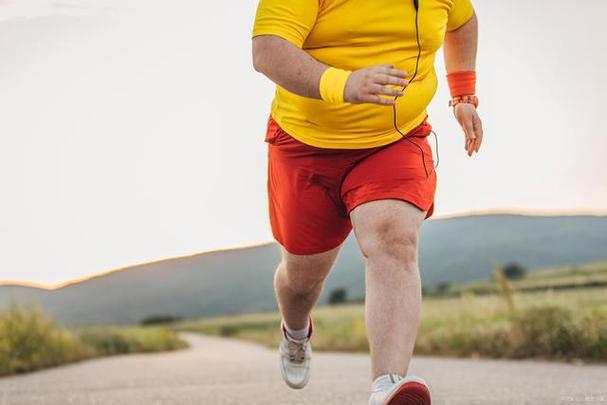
pixel 401 170
pixel 306 213
pixel 387 227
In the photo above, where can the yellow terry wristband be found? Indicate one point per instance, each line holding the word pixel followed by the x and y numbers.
pixel 332 85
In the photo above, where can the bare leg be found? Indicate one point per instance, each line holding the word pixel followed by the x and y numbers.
pixel 298 283
pixel 387 233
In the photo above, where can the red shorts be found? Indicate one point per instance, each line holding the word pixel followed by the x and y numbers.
pixel 312 190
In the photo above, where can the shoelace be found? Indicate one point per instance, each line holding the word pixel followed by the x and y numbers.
pixel 297 350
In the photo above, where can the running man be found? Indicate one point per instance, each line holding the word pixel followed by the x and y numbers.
pixel 348 149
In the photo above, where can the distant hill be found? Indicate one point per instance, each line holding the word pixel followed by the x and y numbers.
pixel 240 280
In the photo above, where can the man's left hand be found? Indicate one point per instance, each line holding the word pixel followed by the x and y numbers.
pixel 468 118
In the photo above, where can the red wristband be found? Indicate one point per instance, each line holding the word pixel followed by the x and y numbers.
pixel 462 83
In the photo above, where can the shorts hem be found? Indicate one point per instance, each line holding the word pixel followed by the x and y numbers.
pixel 308 252
pixel 395 196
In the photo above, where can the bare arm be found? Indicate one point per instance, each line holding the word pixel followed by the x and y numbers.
pixel 295 70
pixel 460 48
pixel 287 65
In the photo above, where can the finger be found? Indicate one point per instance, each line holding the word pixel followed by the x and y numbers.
pixel 382 68
pixel 387 79
pixel 467 144
pixel 391 70
pixel 476 142
pixel 375 99
pixel 396 73
pixel 478 130
pixel 377 89
pixel 471 141
pixel 470 137
pixel 468 128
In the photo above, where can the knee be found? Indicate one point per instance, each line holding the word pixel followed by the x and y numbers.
pixel 392 246
pixel 300 281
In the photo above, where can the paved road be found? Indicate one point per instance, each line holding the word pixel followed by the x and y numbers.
pixel 229 372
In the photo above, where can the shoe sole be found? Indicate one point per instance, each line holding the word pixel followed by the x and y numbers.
pixel 411 393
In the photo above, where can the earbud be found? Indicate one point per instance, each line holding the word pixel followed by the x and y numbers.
pixel 416 4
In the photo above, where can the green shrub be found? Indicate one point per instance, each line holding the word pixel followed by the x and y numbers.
pixel 548 332
pixel 338 296
pixel 109 341
pixel 29 341
pixel 514 270
pixel 593 335
pixel 160 320
pixel 543 332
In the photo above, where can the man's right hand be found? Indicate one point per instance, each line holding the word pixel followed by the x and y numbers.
pixel 367 84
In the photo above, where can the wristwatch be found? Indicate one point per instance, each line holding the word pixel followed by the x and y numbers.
pixel 470 99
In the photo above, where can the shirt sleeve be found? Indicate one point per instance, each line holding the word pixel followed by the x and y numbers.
pixel 289 19
pixel 461 12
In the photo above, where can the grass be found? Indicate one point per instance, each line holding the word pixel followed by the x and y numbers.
pixel 29 341
pixel 108 341
pixel 590 274
pixel 564 325
pixel 469 320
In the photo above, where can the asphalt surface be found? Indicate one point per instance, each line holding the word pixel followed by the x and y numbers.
pixel 228 372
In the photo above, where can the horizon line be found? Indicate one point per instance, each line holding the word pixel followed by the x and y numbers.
pixel 460 214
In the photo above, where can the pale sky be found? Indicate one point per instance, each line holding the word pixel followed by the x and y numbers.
pixel 132 130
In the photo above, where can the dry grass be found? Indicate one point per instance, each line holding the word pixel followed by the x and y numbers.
pixel 568 324
pixel 29 341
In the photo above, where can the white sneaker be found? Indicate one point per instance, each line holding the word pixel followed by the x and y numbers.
pixel 408 390
pixel 295 357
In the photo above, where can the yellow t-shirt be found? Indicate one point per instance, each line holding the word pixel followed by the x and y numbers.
pixel 353 34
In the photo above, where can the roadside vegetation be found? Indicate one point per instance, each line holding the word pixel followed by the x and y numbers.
pixel 521 280
pixel 29 340
pixel 503 321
